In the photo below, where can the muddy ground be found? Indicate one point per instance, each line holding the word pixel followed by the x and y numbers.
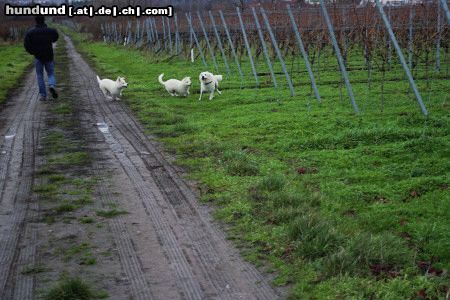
pixel 85 193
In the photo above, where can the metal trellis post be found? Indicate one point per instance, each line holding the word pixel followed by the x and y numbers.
pixel 249 52
pixel 400 56
pixel 208 44
pixel 177 35
pixel 194 35
pixel 156 34
pixel 219 42
pixel 438 39
pixel 339 56
pixel 230 42
pixel 298 37
pixel 264 46
pixel 164 32
pixel 169 33
pixel 446 10
pixel 277 50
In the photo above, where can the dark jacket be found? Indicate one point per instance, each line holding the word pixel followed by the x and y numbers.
pixel 38 42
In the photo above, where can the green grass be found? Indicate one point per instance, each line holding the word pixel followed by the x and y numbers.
pixel 70 159
pixel 66 207
pixel 15 61
pixel 34 269
pixel 86 220
pixel 339 205
pixel 73 289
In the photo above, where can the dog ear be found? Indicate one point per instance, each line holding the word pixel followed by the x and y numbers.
pixel 118 78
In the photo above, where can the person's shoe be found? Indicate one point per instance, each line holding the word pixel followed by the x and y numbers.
pixel 53 92
pixel 42 98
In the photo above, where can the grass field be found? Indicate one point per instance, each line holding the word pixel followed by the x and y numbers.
pixel 15 60
pixel 338 205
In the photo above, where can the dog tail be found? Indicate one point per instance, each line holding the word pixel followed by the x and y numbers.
pixel 218 77
pixel 160 79
pixel 98 79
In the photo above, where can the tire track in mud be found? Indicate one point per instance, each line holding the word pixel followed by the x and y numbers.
pixel 16 179
pixel 203 263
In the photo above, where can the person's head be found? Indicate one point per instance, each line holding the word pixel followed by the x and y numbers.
pixel 39 20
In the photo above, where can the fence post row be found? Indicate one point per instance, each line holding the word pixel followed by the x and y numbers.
pixel 402 59
pixel 230 42
pixel 339 56
pixel 264 46
pixel 304 53
pixel 194 35
pixel 249 52
pixel 211 51
pixel 219 42
pixel 277 50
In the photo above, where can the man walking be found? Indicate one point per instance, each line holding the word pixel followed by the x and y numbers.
pixel 38 42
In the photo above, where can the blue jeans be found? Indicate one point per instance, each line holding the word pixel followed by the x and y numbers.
pixel 50 69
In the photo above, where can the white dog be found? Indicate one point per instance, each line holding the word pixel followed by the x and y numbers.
pixel 209 83
pixel 176 87
pixel 113 88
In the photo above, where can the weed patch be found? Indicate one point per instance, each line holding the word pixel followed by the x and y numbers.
pixel 111 213
pixel 73 289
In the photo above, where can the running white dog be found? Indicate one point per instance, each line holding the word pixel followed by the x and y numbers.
pixel 209 83
pixel 176 87
pixel 112 88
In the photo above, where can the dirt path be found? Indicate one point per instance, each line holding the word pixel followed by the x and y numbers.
pixel 167 246
pixel 19 127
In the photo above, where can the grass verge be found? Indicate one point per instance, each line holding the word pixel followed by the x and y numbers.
pixel 15 61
